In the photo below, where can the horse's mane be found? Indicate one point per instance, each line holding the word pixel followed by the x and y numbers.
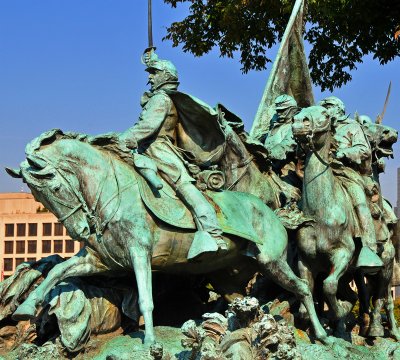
pixel 105 142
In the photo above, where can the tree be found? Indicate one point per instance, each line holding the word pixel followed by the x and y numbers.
pixel 341 32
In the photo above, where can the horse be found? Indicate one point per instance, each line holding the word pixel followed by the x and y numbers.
pixel 247 168
pixel 96 196
pixel 381 139
pixel 327 246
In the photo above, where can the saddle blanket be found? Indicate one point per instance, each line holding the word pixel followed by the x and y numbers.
pixel 237 213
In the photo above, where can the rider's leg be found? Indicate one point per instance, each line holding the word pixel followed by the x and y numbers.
pixel 205 218
pixel 367 257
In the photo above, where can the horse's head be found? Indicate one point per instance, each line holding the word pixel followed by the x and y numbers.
pixel 53 185
pixel 381 137
pixel 311 125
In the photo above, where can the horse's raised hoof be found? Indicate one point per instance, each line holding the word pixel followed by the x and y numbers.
pixel 26 311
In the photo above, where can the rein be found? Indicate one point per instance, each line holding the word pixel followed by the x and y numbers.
pixel 310 142
pixel 245 164
pixel 93 219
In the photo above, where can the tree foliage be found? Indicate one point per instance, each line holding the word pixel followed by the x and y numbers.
pixel 341 32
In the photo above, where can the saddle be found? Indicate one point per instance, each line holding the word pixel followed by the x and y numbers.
pixel 235 210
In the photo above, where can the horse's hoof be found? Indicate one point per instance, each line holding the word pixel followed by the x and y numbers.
pixel 396 335
pixel 25 311
pixel 149 340
pixel 376 331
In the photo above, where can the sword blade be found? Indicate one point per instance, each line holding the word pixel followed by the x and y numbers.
pixel 149 24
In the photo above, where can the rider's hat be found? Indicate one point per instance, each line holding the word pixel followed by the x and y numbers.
pixel 152 62
pixel 283 102
pixel 333 101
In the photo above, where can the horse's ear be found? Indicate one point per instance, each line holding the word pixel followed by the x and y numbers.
pixel 15 173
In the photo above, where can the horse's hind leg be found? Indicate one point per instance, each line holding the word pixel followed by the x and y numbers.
pixel 283 275
pixel 389 307
pixel 82 264
pixel 381 291
pixel 307 275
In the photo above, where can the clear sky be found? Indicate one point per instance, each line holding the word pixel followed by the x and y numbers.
pixel 75 65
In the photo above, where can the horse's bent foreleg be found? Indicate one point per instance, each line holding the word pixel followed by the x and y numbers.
pixel 282 274
pixel 340 261
pixel 81 264
pixel 141 263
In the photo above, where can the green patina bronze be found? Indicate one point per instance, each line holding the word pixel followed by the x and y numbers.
pixel 186 190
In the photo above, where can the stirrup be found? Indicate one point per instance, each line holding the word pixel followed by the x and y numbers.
pixel 368 260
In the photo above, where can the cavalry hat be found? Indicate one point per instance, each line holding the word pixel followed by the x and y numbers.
pixel 333 101
pixel 152 62
pixel 283 102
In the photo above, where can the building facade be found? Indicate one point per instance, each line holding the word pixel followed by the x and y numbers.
pixel 28 232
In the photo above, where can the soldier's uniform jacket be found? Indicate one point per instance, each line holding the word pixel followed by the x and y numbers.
pixel 350 139
pixel 155 134
pixel 281 147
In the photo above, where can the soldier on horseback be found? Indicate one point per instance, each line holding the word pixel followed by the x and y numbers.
pixel 155 135
pixel 280 142
pixel 352 165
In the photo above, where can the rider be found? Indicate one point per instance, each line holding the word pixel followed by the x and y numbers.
pixel 352 164
pixel 154 135
pixel 280 143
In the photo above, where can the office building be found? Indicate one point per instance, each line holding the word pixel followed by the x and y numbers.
pixel 29 232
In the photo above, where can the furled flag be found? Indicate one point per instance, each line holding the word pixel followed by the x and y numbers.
pixel 289 74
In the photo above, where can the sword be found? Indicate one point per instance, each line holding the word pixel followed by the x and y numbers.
pixel 151 46
pixel 379 118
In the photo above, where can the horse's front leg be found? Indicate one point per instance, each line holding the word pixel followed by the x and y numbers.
pixel 81 264
pixel 141 262
pixel 340 260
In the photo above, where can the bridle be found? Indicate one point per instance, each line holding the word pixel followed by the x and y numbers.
pixel 310 141
pixel 91 214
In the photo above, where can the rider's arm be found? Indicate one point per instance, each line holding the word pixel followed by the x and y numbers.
pixel 150 120
pixel 358 148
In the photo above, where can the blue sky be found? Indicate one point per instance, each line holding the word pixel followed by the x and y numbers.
pixel 75 65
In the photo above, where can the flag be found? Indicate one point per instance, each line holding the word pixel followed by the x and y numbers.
pixel 289 74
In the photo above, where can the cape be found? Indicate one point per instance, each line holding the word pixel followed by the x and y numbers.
pixel 199 132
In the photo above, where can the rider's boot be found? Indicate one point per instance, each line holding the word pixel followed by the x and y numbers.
pixel 367 259
pixel 208 238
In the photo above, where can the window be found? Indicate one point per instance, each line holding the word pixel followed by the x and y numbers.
pixel 32 246
pixel 46 246
pixel 19 261
pixel 58 229
pixel 46 229
pixel 8 247
pixel 31 259
pixel 69 246
pixel 8 264
pixel 32 229
pixel 58 246
pixel 21 229
pixel 20 247
pixel 9 230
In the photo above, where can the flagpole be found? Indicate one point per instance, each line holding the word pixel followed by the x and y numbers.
pixel 258 118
